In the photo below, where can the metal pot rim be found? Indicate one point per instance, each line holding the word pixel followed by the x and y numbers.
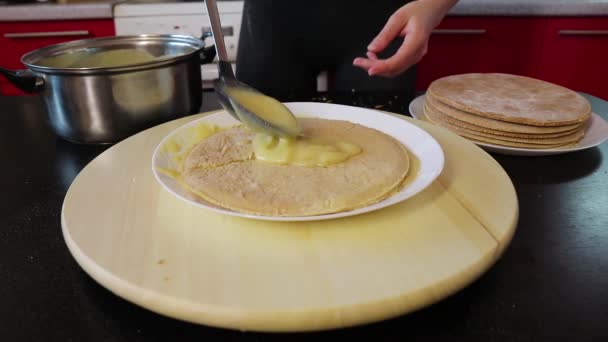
pixel 29 59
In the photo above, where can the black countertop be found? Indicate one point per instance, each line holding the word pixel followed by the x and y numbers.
pixel 550 285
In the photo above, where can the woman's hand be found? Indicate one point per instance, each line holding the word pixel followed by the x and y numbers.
pixel 415 21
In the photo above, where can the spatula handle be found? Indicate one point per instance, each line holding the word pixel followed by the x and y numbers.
pixel 216 28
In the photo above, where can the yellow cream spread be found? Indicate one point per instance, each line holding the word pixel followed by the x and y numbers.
pixel 287 150
pixel 177 148
pixel 302 151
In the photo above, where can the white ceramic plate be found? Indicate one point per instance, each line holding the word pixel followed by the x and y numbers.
pixel 415 139
pixel 596 133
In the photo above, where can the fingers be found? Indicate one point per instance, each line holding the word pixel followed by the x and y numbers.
pixel 411 21
pixel 390 31
pixel 411 51
pixel 366 63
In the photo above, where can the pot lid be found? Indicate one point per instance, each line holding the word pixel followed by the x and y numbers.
pixel 108 54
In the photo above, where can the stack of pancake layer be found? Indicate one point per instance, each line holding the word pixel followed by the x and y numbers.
pixel 508 110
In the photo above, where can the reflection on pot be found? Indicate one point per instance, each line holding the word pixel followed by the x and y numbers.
pixel 143 91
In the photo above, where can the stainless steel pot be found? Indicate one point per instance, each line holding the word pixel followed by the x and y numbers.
pixel 97 105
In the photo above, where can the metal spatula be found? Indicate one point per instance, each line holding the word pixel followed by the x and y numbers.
pixel 227 82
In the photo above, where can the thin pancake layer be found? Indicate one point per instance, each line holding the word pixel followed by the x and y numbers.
pixel 493 126
pixel 221 148
pixel 440 120
pixel 494 140
pixel 527 146
pixel 257 187
pixel 512 98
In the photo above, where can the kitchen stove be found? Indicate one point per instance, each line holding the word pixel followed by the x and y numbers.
pixel 181 17
pixel 383 101
pixel 389 102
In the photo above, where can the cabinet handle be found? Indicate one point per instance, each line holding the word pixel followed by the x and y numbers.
pixel 459 31
pixel 46 34
pixel 583 32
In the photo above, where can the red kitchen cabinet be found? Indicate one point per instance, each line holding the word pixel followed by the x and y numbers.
pixel 20 37
pixel 575 54
pixel 482 44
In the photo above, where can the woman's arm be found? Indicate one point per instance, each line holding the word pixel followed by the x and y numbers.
pixel 415 21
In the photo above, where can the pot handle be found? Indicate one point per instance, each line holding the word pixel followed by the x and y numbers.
pixel 24 80
pixel 209 52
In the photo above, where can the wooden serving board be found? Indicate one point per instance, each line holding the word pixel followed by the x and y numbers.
pixel 156 251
